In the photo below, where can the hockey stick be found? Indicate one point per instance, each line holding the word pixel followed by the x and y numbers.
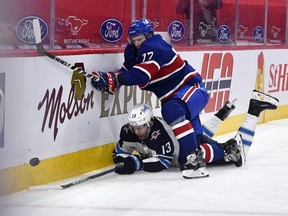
pixel 62 187
pixel 40 49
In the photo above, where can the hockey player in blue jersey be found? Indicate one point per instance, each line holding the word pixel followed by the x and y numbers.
pixel 154 65
pixel 147 143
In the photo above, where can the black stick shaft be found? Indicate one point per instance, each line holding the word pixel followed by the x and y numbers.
pixel 105 172
pixel 41 50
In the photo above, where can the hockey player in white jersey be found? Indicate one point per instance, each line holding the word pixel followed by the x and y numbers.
pixel 147 143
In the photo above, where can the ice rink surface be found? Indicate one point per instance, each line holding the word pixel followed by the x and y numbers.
pixel 260 187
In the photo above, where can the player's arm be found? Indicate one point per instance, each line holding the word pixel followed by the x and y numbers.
pixel 124 149
pixel 157 163
pixel 139 74
pixel 130 57
pixel 112 81
pixel 162 156
pixel 133 162
pixel 145 67
pixel 123 153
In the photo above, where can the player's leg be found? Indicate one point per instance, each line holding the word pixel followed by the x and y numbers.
pixel 195 104
pixel 234 151
pixel 210 127
pixel 258 103
pixel 230 152
pixel 178 115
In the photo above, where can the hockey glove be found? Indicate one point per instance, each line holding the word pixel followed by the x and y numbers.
pixel 131 162
pixel 107 82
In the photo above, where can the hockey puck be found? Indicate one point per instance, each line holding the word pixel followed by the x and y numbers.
pixel 34 161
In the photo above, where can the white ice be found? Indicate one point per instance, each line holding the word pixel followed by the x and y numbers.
pixel 260 187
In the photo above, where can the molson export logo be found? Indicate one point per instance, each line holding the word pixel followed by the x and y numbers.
pixel 176 30
pixel 24 29
pixel 111 30
pixel 57 110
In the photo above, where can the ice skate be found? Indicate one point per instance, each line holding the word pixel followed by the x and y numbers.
pixel 266 97
pixel 225 111
pixel 260 102
pixel 195 166
pixel 234 151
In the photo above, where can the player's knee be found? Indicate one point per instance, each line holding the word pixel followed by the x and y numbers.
pixel 174 111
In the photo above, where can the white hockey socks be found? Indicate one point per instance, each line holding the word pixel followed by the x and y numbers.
pixel 247 131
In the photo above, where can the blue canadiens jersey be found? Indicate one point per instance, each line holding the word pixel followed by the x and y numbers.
pixel 159 68
pixel 158 151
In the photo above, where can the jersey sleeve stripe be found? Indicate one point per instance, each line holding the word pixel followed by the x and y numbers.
pixel 169 69
pixel 120 150
pixel 150 68
pixel 165 162
pixel 143 69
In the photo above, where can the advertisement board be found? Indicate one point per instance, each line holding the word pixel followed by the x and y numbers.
pixel 40 117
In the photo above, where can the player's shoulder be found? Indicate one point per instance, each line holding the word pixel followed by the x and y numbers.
pixel 159 123
pixel 153 44
pixel 159 132
pixel 125 129
pixel 126 134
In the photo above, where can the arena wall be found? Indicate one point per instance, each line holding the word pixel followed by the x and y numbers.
pixel 70 137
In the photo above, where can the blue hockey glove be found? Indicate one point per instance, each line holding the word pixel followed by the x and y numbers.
pixel 107 82
pixel 131 162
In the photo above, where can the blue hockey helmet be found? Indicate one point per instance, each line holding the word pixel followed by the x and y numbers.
pixel 143 26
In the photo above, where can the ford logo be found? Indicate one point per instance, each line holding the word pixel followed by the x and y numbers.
pixel 176 30
pixel 224 33
pixel 111 30
pixel 24 29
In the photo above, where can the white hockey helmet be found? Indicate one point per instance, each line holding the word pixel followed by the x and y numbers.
pixel 140 114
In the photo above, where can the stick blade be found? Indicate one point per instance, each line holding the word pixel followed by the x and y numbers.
pixel 37 30
pixel 44 188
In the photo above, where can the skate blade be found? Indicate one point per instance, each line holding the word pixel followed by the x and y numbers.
pixel 240 145
pixel 199 173
pixel 231 104
pixel 257 95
